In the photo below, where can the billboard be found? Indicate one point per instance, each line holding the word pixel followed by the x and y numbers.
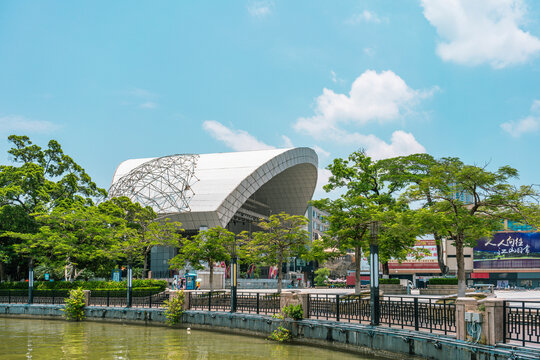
pixel 423 257
pixel 508 249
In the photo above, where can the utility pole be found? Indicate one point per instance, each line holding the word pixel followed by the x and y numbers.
pixel 374 272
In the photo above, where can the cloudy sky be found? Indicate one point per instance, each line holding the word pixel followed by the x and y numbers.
pixel 113 80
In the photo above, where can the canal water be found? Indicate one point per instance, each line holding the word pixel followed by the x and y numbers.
pixel 55 339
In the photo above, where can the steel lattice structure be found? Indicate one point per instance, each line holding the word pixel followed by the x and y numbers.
pixel 163 183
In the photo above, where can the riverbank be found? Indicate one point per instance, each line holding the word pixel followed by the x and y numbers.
pixel 363 339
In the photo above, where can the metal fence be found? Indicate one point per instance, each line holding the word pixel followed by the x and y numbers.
pixel 256 303
pixel 20 296
pixel 521 321
pixel 395 311
pixel 118 298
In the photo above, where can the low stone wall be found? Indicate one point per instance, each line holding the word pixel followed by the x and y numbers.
pixel 393 289
pixel 441 290
pixel 380 341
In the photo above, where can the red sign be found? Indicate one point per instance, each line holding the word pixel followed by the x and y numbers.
pixel 479 275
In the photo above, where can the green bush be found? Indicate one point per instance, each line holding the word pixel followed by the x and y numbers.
pixel 388 281
pixel 443 281
pixel 152 284
pixel 174 309
pixel 75 303
pixel 280 334
pixel 294 312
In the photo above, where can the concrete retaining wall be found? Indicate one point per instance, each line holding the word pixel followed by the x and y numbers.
pixel 381 341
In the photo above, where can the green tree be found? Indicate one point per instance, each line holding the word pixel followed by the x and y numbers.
pixel 143 230
pixel 493 199
pixel 283 236
pixel 209 246
pixel 40 181
pixel 74 236
pixel 369 195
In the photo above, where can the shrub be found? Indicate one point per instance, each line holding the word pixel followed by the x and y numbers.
pixel 75 303
pixel 280 334
pixel 294 312
pixel 322 276
pixel 443 281
pixel 151 284
pixel 174 309
pixel 388 281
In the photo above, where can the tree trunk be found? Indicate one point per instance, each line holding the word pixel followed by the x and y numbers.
pixel 280 274
pixel 440 255
pixel 385 268
pixel 357 259
pixel 211 265
pixel 460 259
pixel 145 264
pixel 2 272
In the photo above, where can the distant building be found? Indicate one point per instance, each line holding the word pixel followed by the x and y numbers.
pixel 318 223
pixel 231 190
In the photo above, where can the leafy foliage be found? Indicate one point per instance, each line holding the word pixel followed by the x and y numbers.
pixel 283 236
pixel 388 281
pixel 321 276
pixel 294 312
pixel 280 334
pixel 443 281
pixel 75 303
pixel 174 309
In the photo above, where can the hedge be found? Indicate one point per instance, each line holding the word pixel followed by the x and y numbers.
pixel 443 281
pixel 388 281
pixel 86 285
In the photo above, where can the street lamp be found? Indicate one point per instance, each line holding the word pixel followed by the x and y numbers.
pixel 234 275
pixel 374 271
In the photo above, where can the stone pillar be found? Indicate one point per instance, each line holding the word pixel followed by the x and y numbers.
pixel 86 297
pixel 463 305
pixel 492 328
pixel 175 293
pixel 304 298
pixel 294 298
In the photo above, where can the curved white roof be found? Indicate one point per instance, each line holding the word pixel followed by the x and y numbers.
pixel 221 183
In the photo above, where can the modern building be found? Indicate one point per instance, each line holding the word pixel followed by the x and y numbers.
pixel 231 190
pixel 318 223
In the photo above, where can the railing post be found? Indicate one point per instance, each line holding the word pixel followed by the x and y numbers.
pixel 337 307
pixel 416 314
pixel 150 298
pixel 210 301
pixel 53 296
pixel 430 312
pixel 9 296
pixel 445 312
pixel 523 321
pixel 258 303
pixel 504 321
pixel 108 298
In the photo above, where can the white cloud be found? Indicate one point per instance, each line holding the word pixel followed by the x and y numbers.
pixel 401 143
pixel 260 9
pixel 374 97
pixel 369 51
pixel 320 151
pixel 527 125
pixel 238 140
pixel 481 31
pixel 16 123
pixel 287 143
pixel 148 105
pixel 364 16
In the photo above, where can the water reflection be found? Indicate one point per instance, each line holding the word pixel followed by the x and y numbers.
pixel 55 339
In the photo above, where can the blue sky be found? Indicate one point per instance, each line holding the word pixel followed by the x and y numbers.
pixel 125 79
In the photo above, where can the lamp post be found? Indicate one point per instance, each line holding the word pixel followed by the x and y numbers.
pixel 234 276
pixel 129 286
pixel 31 284
pixel 374 272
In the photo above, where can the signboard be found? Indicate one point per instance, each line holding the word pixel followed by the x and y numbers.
pixel 46 276
pixel 422 257
pixel 523 248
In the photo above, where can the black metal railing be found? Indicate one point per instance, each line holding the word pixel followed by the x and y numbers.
pixel 404 312
pixel 521 321
pixel 118 298
pixel 13 296
pixel 257 303
pixel 20 296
